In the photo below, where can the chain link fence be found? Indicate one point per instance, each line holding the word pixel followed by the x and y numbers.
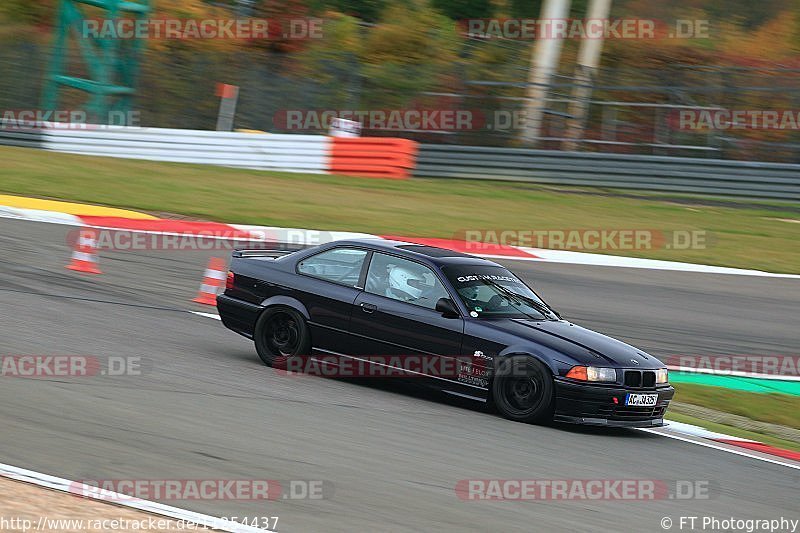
pixel 632 110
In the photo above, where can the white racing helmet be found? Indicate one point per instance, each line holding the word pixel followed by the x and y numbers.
pixel 398 281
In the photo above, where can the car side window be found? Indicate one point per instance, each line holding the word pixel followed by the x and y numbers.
pixel 339 265
pixel 404 280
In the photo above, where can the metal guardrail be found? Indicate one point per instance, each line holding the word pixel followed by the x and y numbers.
pixel 293 153
pixel 747 179
pixel 25 139
pixel 312 153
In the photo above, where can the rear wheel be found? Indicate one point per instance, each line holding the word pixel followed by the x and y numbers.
pixel 522 390
pixel 280 333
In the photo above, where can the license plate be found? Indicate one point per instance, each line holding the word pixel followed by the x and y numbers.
pixel 641 400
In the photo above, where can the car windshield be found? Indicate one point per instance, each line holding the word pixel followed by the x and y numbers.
pixel 494 292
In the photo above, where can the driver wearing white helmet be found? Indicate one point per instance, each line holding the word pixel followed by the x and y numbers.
pixel 404 284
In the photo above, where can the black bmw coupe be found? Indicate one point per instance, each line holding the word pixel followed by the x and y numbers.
pixel 464 325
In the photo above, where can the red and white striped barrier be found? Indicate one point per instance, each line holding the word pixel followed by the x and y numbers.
pixel 316 154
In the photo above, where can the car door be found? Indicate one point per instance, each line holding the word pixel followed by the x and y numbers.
pixel 330 286
pixel 395 314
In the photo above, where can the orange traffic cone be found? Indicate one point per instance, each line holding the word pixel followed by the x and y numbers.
pixel 213 279
pixel 84 256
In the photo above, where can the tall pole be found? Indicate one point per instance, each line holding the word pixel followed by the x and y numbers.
pixel 544 63
pixel 585 74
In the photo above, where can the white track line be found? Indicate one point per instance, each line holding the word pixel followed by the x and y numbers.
pixel 38 215
pixel 71 487
pixel 691 430
pixel 719 447
pixel 207 315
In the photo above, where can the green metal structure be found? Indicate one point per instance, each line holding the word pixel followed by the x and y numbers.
pixel 112 63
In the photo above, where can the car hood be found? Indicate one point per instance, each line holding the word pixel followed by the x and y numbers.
pixel 583 345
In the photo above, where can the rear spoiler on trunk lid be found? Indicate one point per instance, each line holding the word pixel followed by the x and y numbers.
pixel 261 253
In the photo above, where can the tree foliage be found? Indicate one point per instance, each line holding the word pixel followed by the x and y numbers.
pixel 382 54
pixel 28 11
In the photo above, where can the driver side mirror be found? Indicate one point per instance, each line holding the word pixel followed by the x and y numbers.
pixel 447 308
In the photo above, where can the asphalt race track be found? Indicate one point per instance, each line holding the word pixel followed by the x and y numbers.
pixel 206 408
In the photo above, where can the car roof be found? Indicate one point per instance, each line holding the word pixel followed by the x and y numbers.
pixel 432 254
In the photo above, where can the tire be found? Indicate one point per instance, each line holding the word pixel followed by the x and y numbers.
pixel 523 390
pixel 280 333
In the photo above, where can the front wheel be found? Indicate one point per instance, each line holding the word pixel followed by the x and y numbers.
pixel 522 390
pixel 280 333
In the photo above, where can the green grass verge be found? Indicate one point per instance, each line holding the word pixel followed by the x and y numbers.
pixel 747 237
pixel 779 409
pixel 735 432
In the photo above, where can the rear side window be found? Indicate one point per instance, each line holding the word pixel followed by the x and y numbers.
pixel 339 265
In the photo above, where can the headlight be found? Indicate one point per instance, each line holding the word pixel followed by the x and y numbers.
pixel 662 376
pixel 592 373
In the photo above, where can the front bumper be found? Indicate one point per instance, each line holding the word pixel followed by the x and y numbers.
pixel 583 403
